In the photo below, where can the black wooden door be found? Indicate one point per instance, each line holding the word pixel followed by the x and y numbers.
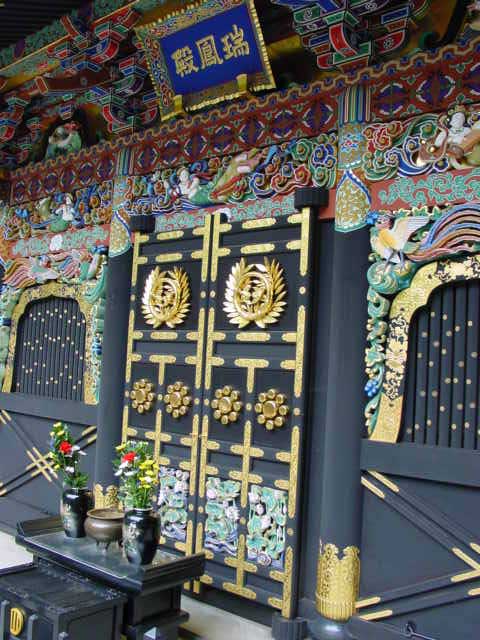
pixel 219 329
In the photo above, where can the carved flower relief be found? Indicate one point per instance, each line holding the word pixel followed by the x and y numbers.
pixel 173 502
pixel 396 357
pixel 221 524
pixel 266 525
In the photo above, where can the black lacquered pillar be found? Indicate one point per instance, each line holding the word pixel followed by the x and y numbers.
pixel 338 571
pixel 114 350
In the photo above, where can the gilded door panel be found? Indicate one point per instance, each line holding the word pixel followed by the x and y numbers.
pixel 254 408
pixel 164 377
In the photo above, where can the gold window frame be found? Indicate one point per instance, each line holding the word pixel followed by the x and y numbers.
pixel 404 306
pixel 40 292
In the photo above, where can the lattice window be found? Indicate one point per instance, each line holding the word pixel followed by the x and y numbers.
pixel 442 384
pixel 50 349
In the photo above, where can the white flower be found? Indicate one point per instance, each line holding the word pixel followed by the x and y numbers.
pixel 266 521
pixel 259 509
pixel 129 473
pixel 146 479
pixel 70 469
pixel 56 243
pixel 82 453
pixel 211 494
pixel 253 497
pixel 119 472
pixel 232 513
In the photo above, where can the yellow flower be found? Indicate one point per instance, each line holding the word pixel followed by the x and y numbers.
pixel 57 466
pixel 57 424
pixel 120 447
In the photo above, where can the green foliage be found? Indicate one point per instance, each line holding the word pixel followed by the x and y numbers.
pixel 138 473
pixel 65 456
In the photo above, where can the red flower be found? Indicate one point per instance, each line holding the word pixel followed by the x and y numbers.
pixel 129 457
pixel 65 447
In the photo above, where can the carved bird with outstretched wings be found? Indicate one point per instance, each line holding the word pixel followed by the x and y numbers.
pixel 391 242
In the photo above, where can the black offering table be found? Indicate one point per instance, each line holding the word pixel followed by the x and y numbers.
pixel 152 592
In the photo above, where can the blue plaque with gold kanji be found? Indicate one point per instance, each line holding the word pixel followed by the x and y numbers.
pixel 204 54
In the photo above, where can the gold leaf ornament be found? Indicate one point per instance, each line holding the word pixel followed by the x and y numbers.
pixel 255 293
pixel 166 297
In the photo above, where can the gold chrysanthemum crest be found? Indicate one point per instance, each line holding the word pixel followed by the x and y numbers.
pixel 166 297
pixel 255 293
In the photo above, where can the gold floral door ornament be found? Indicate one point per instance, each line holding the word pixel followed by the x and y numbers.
pixel 142 396
pixel 255 293
pixel 177 399
pixel 271 409
pixel 166 297
pixel 226 405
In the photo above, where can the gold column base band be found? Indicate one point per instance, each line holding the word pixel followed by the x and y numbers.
pixel 338 581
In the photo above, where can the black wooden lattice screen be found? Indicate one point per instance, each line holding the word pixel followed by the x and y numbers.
pixel 50 350
pixel 443 386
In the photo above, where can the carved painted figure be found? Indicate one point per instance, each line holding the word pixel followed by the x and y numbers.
pixel 64 139
pixel 458 138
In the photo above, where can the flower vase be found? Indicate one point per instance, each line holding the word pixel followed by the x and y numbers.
pixel 141 533
pixel 75 504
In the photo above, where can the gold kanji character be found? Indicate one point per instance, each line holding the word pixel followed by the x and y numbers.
pixel 183 59
pixel 234 45
pixel 208 52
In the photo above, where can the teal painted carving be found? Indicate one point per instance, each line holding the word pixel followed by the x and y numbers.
pixel 435 189
pixel 221 524
pixel 270 208
pixel 173 502
pixel 402 242
pixel 266 526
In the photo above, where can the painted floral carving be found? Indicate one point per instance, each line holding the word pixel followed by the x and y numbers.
pixel 221 524
pixel 266 526
pixel 172 502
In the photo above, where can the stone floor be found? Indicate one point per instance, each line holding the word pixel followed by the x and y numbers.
pixel 206 622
